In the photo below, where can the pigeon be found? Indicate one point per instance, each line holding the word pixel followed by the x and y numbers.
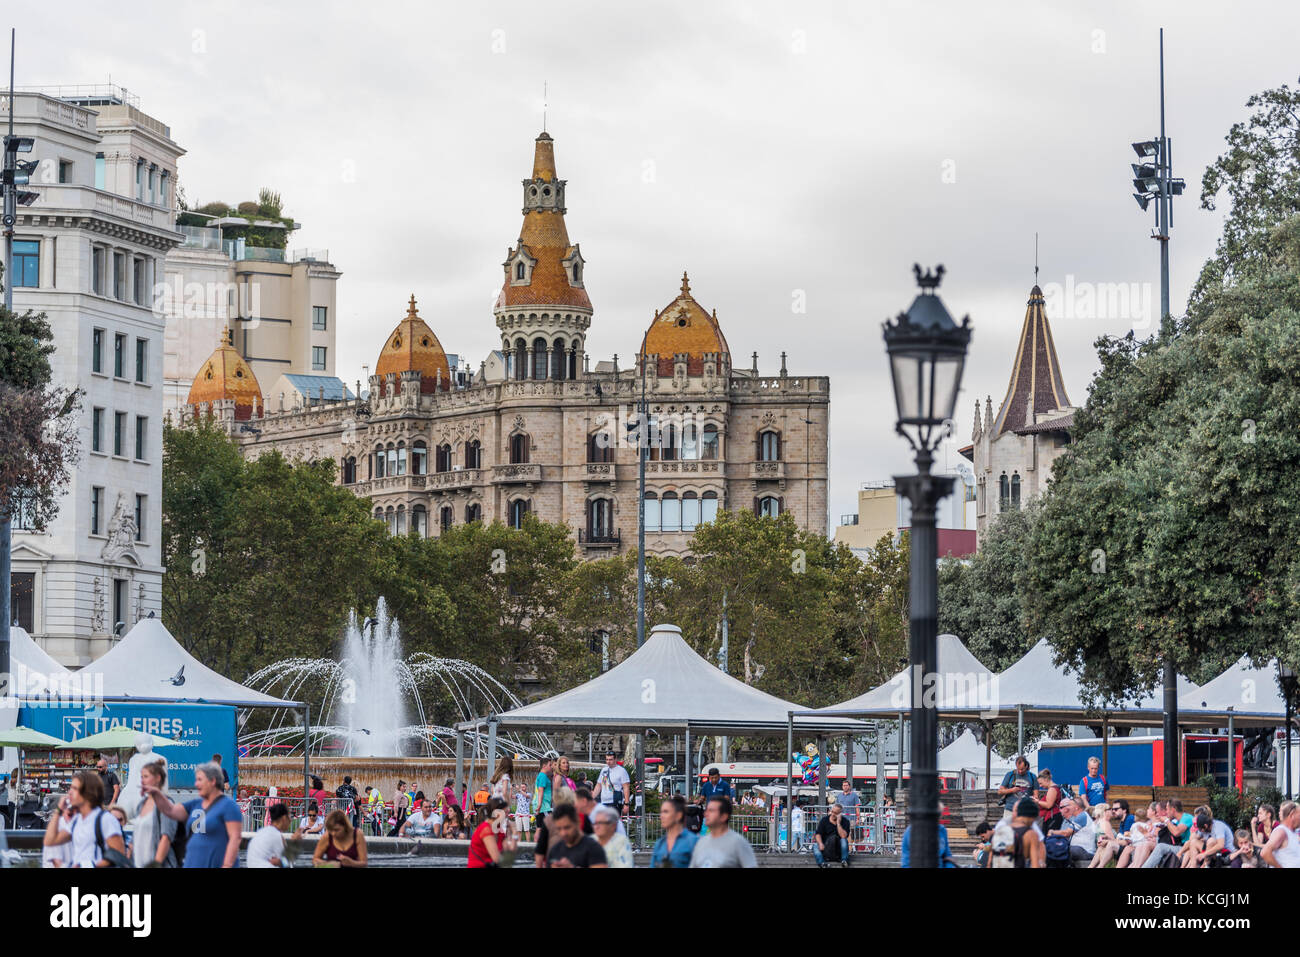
pixel 177 679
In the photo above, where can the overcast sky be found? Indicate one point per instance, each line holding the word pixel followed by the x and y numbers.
pixel 779 152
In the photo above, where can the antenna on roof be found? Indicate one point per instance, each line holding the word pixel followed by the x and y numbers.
pixel 1035 259
pixel 543 106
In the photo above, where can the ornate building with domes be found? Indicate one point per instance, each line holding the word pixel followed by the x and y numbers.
pixel 537 430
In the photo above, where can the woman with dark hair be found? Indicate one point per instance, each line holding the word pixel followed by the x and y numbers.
pixel 453 825
pixel 80 814
pixel 342 845
pixel 493 837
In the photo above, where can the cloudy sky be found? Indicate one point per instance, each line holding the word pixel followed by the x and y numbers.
pixel 782 153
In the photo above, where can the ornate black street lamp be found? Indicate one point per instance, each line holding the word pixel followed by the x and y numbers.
pixel 1287 678
pixel 927 352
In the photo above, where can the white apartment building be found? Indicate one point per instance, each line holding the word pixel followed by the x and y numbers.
pixel 87 254
pixel 280 305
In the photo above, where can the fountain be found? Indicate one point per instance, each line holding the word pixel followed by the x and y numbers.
pixel 372 700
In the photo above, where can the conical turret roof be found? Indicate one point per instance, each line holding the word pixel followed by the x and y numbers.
pixel 1037 385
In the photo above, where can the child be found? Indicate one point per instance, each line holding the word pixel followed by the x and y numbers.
pixel 1244 855
pixel 523 813
pixel 1195 844
pixel 1139 839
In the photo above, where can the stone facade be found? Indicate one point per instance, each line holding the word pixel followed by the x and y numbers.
pixel 1013 451
pixel 544 434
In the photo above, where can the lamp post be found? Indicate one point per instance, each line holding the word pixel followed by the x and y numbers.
pixel 1153 179
pixel 927 352
pixel 15 173
pixel 1287 678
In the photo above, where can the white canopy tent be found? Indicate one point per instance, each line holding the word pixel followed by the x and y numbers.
pixel 148 663
pixel 24 651
pixel 30 667
pixel 1241 693
pixel 966 754
pixel 662 687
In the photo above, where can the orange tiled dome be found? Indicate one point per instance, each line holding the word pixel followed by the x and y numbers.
pixel 225 375
pixel 545 241
pixel 683 327
pixel 413 347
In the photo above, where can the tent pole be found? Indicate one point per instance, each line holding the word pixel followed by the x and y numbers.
pixel 881 781
pixel 1020 729
pixel 1232 751
pixel 789 780
pixel 902 725
pixel 640 782
pixel 821 772
pixel 1105 746
pixel 460 764
pixel 988 765
pixel 687 758
pixel 306 756
pixel 492 750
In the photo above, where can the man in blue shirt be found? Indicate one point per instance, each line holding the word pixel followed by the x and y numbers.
pixel 716 787
pixel 1092 786
pixel 945 852
pixel 675 845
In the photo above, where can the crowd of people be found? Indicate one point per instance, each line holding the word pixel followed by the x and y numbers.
pixel 1044 825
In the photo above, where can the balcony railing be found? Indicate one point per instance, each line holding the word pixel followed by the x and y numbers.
pixel 518 473
pixel 201 237
pixel 767 471
pixel 459 478
pixel 599 539
pixel 598 471
pixel 390 483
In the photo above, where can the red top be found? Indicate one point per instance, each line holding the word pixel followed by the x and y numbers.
pixel 478 852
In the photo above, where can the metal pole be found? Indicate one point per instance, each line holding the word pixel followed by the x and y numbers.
pixel 1289 795
pixel 306 757
pixel 6 527
pixel 722 663
pixel 902 726
pixel 1020 729
pixel 1105 746
pixel 492 752
pixel 988 765
pixel 640 780
pixel 460 763
pixel 789 780
pixel 925 491
pixel 1232 751
pixel 821 771
pixel 643 437
pixel 881 779
pixel 687 759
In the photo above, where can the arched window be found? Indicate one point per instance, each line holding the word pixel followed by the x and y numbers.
pixel 379 514
pixel 539 358
pixel 442 458
pixel 690 511
pixel 600 447
pixel 473 512
pixel 600 519
pixel 521 359
pixel 400 527
pixel 709 449
pixel 419 522
pixel 380 461
pixel 669 443
pixel 1004 492
pixel 557 360
pixel 708 507
pixel 1015 490
pixel 446 517
pixel 671 509
pixel 769 447
pixel 390 517
pixel 519 448
pixel 419 459
pixel 401 458
pixel 690 442
pixel 651 512
pixel 473 455
pixel 769 506
pixel 519 269
pixel 391 456
pixel 518 509
pixel 573 361
pixel 350 470
pixel 577 272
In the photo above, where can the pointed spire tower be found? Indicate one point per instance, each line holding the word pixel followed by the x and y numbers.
pixel 543 311
pixel 1037 386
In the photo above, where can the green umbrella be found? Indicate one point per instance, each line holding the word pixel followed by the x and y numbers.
pixel 21 737
pixel 119 738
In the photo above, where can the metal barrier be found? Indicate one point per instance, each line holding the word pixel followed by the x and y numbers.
pixel 256 809
pixel 756 828
pixel 867 836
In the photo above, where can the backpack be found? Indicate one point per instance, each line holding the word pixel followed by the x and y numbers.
pixel 1058 848
pixel 179 841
